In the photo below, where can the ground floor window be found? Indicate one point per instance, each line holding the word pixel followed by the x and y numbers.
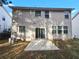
pixel 60 29
pixel 53 29
pixel 40 33
pixel 21 28
pixel 65 29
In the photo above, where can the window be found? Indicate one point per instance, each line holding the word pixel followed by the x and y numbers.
pixel 40 33
pixel 53 29
pixel 0 26
pixel 3 19
pixel 21 28
pixel 37 32
pixel 66 16
pixel 46 14
pixel 59 29
pixel 65 29
pixel 37 13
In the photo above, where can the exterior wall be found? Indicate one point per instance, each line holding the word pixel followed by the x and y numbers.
pixel 27 18
pixel 58 19
pixel 75 27
pixel 7 23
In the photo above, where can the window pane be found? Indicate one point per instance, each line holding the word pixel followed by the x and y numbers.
pixel 67 16
pixel 3 19
pixel 46 14
pixel 37 13
pixel 59 27
pixel 42 33
pixel 53 31
pixel 65 31
pixel 59 31
pixel 37 32
pixel 65 27
pixel 53 27
pixel 21 28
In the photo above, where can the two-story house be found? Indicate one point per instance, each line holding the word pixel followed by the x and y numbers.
pixel 32 23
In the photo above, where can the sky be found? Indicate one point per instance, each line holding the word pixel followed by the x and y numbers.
pixel 48 3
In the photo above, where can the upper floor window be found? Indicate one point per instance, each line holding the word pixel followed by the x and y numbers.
pixel 3 19
pixel 21 28
pixel 66 16
pixel 38 13
pixel 46 14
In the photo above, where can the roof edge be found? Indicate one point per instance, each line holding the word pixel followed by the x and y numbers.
pixel 21 7
pixel 5 10
pixel 75 15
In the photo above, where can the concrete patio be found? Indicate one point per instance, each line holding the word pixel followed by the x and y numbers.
pixel 37 45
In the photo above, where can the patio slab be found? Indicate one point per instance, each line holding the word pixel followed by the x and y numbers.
pixel 40 45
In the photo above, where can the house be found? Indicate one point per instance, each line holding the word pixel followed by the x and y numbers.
pixel 5 19
pixel 32 23
pixel 75 27
pixel 0 2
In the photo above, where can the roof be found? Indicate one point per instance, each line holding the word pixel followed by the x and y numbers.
pixel 75 15
pixel 40 8
pixel 5 10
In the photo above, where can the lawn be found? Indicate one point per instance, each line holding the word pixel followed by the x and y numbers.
pixel 69 49
pixel 3 41
pixel 11 51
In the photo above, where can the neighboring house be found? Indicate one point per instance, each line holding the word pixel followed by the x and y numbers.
pixel 5 19
pixel 0 3
pixel 33 23
pixel 75 26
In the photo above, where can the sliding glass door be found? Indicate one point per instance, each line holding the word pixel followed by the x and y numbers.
pixel 40 33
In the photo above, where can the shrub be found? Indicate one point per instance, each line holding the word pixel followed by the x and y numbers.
pixel 5 34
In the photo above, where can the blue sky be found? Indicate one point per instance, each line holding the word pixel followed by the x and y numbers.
pixel 48 3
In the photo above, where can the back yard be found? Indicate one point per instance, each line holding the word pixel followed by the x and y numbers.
pixel 69 49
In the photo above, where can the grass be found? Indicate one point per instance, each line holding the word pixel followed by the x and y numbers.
pixel 3 41
pixel 69 49
pixel 11 51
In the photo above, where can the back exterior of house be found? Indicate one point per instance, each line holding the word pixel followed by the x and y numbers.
pixel 32 23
